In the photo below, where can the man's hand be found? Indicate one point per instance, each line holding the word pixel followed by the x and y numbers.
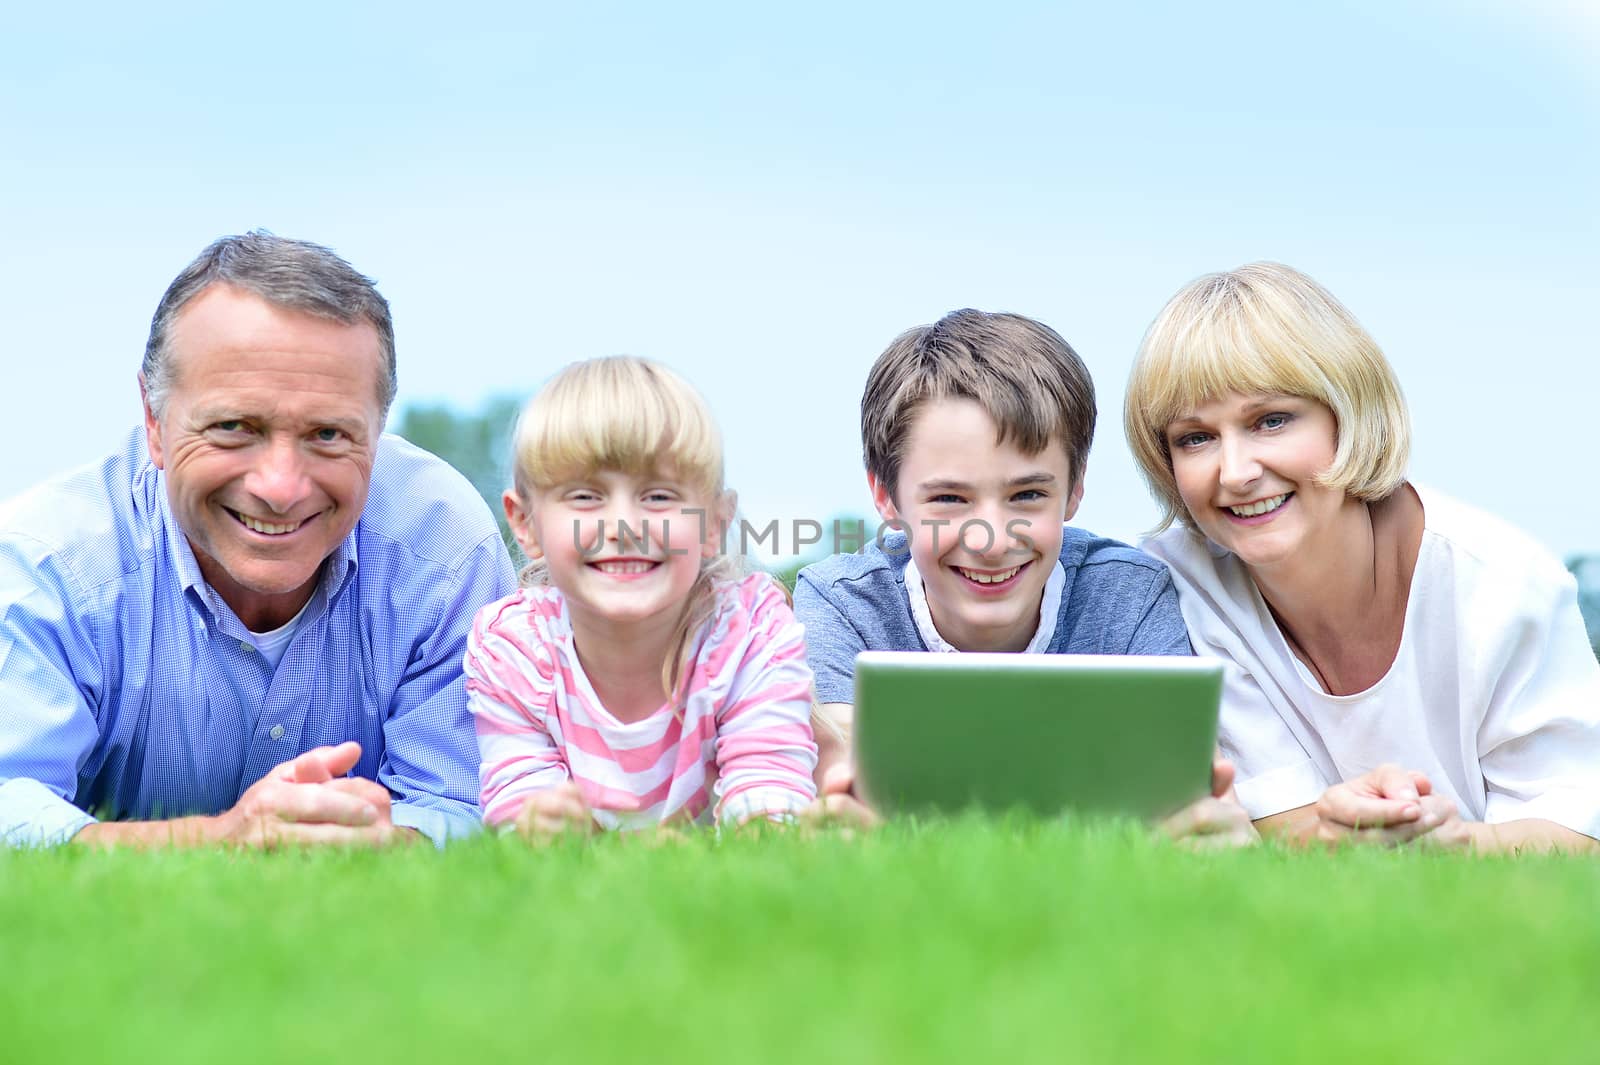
pixel 837 802
pixel 1215 821
pixel 307 801
pixel 555 812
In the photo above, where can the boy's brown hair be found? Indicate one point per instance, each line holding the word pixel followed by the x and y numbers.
pixel 1021 372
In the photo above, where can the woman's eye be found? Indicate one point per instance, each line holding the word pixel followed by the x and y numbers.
pixel 1189 440
pixel 1274 421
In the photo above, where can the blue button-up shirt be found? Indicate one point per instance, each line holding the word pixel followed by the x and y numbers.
pixel 128 689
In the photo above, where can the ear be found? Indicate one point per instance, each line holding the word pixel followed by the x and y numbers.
pixel 882 499
pixel 717 524
pixel 523 527
pixel 1074 498
pixel 152 428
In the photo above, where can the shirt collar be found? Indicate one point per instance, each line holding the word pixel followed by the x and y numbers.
pixel 1049 610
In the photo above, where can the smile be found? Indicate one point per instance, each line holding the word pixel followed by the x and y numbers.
pixel 263 527
pixel 980 577
pixel 1261 506
pixel 625 567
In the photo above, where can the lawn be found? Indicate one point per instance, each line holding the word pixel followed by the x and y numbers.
pixel 965 942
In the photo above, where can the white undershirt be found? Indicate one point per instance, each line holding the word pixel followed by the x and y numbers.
pixel 272 645
pixel 1049 608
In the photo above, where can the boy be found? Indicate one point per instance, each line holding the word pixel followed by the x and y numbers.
pixel 975 432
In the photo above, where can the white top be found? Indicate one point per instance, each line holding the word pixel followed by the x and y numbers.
pixel 272 645
pixel 1049 609
pixel 1494 693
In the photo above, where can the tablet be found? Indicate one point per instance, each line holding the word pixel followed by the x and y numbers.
pixel 1129 735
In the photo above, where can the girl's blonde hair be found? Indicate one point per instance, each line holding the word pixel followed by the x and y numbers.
pixel 634 415
pixel 1266 328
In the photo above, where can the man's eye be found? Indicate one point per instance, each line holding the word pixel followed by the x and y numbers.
pixel 231 426
pixel 328 436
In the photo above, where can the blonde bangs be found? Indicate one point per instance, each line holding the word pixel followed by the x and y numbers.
pixel 620 413
pixel 1266 329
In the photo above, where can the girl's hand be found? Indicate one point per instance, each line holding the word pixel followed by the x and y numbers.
pixel 1215 821
pixel 1389 806
pixel 555 812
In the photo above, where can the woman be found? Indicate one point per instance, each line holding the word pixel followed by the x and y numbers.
pixel 1403 667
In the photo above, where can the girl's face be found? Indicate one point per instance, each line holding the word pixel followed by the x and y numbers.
pixel 1246 468
pixel 623 549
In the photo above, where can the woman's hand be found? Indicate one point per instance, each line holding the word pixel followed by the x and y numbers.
pixel 1388 806
pixel 555 812
pixel 1215 821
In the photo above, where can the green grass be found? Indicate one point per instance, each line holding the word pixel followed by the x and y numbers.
pixel 968 942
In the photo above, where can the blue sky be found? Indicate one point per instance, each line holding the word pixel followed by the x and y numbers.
pixel 763 199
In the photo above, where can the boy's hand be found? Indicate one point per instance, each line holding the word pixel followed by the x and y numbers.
pixel 838 803
pixel 1215 821
pixel 555 812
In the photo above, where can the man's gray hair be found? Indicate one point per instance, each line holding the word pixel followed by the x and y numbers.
pixel 293 274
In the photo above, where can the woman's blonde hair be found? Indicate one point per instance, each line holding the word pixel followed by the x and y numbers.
pixel 1266 328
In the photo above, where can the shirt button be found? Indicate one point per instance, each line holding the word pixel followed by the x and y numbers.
pixel 246 646
pixel 277 732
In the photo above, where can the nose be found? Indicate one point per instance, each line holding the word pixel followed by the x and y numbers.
pixel 280 479
pixel 1240 466
pixel 629 528
pixel 983 533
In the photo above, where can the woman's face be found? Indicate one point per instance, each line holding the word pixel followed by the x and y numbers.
pixel 1246 467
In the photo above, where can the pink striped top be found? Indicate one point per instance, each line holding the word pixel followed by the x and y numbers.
pixel 742 747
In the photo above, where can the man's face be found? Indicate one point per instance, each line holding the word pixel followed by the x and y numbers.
pixel 984 521
pixel 268 436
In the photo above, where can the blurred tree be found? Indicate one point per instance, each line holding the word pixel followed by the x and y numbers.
pixel 477 444
pixel 1586 568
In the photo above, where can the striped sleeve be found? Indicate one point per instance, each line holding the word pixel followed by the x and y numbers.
pixel 509 691
pixel 765 750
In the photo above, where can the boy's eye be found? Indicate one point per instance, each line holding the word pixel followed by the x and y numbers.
pixel 1028 495
pixel 945 497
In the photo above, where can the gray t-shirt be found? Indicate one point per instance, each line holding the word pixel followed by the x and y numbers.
pixel 1117 601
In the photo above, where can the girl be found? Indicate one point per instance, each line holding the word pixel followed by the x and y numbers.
pixel 636 679
pixel 1406 667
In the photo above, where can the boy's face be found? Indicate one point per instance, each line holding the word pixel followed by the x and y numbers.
pixel 984 522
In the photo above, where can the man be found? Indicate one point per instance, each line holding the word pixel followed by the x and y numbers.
pixel 247 625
